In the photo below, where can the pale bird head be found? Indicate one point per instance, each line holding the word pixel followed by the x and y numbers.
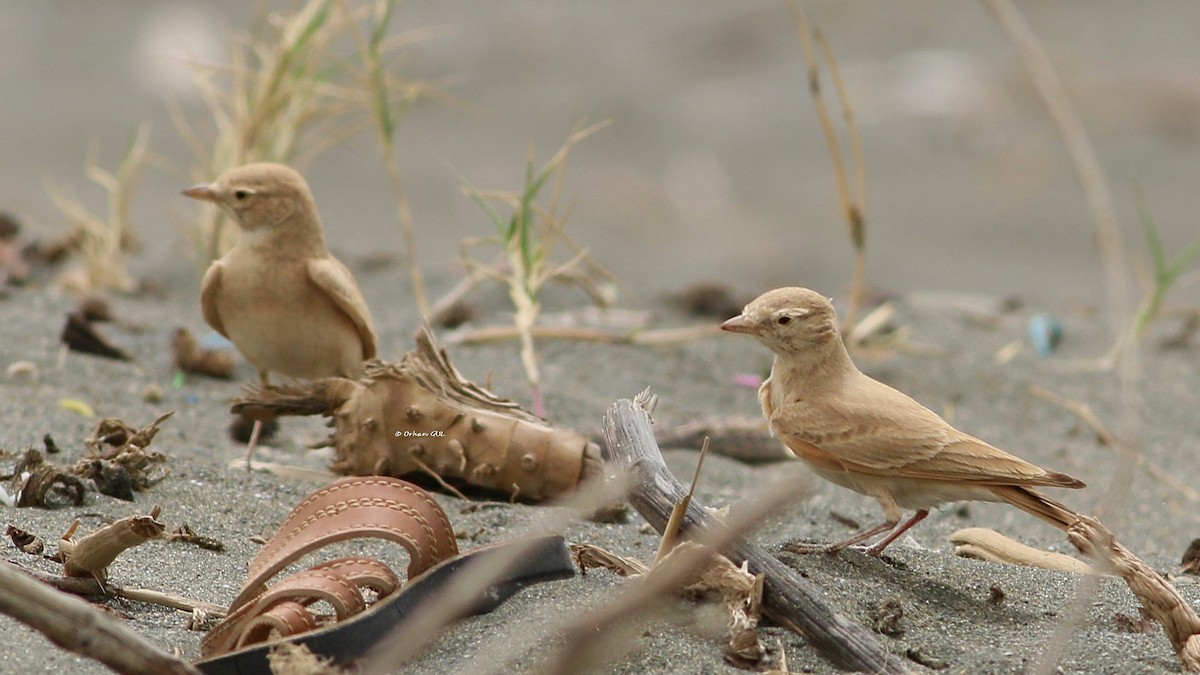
pixel 258 196
pixel 788 320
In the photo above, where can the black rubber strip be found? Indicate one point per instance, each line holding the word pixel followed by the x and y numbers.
pixel 547 559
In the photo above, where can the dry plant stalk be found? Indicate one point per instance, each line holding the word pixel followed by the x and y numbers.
pixel 379 82
pixel 1084 412
pixel 420 415
pixel 260 105
pixel 91 555
pixel 528 237
pixel 90 586
pixel 105 242
pixel 981 543
pixel 853 205
pixel 1159 598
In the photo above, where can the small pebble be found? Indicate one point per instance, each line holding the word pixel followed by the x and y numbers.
pixel 25 369
pixel 152 393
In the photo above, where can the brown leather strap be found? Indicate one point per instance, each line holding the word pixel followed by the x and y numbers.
pixel 523 562
pixel 350 508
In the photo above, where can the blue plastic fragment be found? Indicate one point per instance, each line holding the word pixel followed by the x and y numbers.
pixel 1045 332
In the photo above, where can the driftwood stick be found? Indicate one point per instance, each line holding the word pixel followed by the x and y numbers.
pixel 75 625
pixel 1158 597
pixel 789 599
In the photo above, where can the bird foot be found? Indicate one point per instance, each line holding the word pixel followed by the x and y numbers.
pixel 810 548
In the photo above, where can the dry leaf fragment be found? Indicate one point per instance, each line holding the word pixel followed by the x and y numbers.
pixel 190 357
pixel 589 556
pixel 26 541
pixel 120 436
pixel 80 335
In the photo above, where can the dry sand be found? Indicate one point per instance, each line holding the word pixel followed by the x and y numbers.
pixel 948 614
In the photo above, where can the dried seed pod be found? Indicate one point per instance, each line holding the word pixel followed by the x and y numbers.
pixel 421 415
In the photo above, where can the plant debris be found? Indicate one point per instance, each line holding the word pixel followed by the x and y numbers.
pixel 739 590
pixel 1142 623
pixel 886 616
pixel 37 482
pixel 117 460
pixel 420 416
pixel 26 541
pixel 185 534
pixel 1191 558
pixel 91 555
pixel 80 335
pixel 917 655
pixel 117 464
pixel 190 357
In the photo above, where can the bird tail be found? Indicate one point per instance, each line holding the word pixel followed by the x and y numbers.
pixel 1037 504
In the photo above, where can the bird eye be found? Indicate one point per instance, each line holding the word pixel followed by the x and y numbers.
pixel 784 320
pixel 241 194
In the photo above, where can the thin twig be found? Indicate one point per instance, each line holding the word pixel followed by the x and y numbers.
pixel 852 211
pixel 636 337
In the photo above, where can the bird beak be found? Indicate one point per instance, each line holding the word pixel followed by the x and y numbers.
pixel 740 324
pixel 202 192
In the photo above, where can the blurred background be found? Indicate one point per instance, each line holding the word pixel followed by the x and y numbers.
pixel 714 167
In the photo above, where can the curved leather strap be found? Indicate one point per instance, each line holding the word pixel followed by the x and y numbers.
pixel 353 508
pixel 542 559
pixel 350 508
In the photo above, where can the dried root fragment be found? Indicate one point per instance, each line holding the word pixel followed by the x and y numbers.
pixel 981 543
pixel 421 416
pixel 1158 597
pixel 91 555
pixel 190 357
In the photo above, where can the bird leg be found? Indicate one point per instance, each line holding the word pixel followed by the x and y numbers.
pixel 904 527
pixel 804 548
pixel 256 430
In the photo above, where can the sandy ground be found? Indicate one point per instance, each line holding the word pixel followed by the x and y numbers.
pixel 948 615
pixel 714 169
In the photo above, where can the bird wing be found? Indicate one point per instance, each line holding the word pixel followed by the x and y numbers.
pixel 874 429
pixel 332 277
pixel 208 298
